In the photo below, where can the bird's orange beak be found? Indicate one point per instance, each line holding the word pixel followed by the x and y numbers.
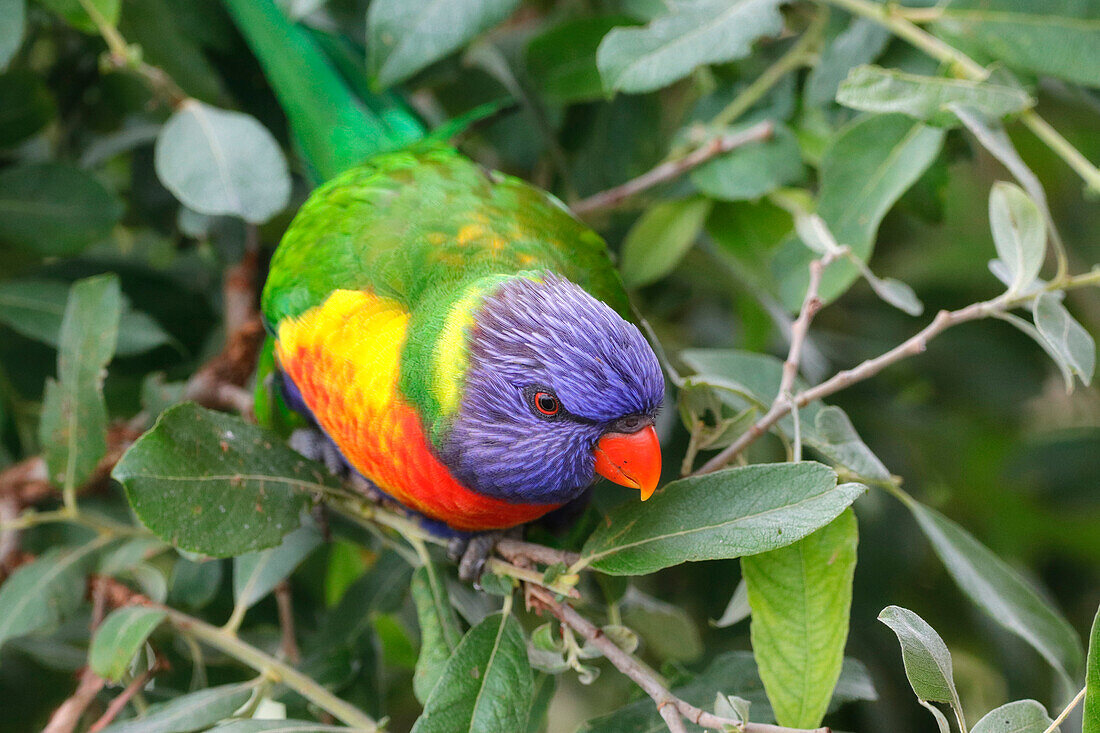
pixel 631 459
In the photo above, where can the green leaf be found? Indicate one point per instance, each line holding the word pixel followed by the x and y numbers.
pixel 860 43
pixel 39 595
pixel 668 631
pixel 486 685
pixel 120 637
pixel 1000 591
pixel 1069 342
pixel 562 60
pixel 671 46
pixel 864 172
pixel 404 36
pixel 660 239
pixel 801 596
pixel 545 687
pixel 1019 234
pixel 73 429
pixel 439 632
pixel 1061 39
pixel 745 379
pixel 35 309
pixel 1091 714
pixel 874 89
pixel 194 584
pixel 219 162
pixel 75 15
pixel 278 726
pixel 196 711
pixel 750 232
pixel 926 658
pixel 345 564
pixel 752 170
pixel 896 293
pixel 129 554
pixel 26 100
pixel 722 515
pixel 54 209
pixel 256 574
pixel 1021 716
pixel 737 610
pixel 211 483
pixel 11 31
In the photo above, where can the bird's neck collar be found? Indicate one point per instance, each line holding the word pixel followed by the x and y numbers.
pixel 437 356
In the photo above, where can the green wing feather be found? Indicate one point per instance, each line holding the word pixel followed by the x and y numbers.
pixel 413 222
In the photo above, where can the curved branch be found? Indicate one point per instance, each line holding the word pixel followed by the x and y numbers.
pixel 672 169
pixel 914 345
pixel 668 704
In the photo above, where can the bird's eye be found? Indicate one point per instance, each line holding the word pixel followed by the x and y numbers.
pixel 546 403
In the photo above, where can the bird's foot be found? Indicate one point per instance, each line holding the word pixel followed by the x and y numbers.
pixel 472 553
pixel 316 446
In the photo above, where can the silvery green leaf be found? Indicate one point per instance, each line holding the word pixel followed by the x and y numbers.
pixel 732 706
pixel 737 609
pixel 1019 233
pixel 874 89
pixel 220 162
pixel 926 658
pixel 1021 716
pixel 897 294
pixel 1069 342
pixel 673 45
pixel 815 234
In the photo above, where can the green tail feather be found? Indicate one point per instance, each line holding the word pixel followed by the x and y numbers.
pixel 334 128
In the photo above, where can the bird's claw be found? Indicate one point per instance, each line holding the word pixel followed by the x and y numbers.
pixel 472 553
pixel 316 446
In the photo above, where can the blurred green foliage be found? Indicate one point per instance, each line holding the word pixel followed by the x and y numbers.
pixel 143 138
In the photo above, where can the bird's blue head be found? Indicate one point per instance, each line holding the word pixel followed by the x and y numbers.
pixel 558 388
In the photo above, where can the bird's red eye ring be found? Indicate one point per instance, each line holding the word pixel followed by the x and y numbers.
pixel 546 403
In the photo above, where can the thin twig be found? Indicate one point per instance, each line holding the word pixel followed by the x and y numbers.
pixel 644 677
pixel 122 56
pixel 672 169
pixel 1065 713
pixel 69 713
pixel 916 344
pixel 124 697
pixel 288 644
pixel 513 550
pixel 9 538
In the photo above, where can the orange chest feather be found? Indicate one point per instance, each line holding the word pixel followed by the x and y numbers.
pixel 344 357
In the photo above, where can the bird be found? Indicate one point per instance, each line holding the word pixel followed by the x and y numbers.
pixel 458 339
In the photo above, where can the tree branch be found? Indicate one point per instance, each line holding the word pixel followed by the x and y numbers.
pixel 1065 713
pixel 916 344
pixel 69 713
pixel 124 697
pixel 288 643
pixel 228 643
pixel 672 169
pixel 668 704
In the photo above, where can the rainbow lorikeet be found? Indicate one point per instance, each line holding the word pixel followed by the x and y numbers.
pixel 461 339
